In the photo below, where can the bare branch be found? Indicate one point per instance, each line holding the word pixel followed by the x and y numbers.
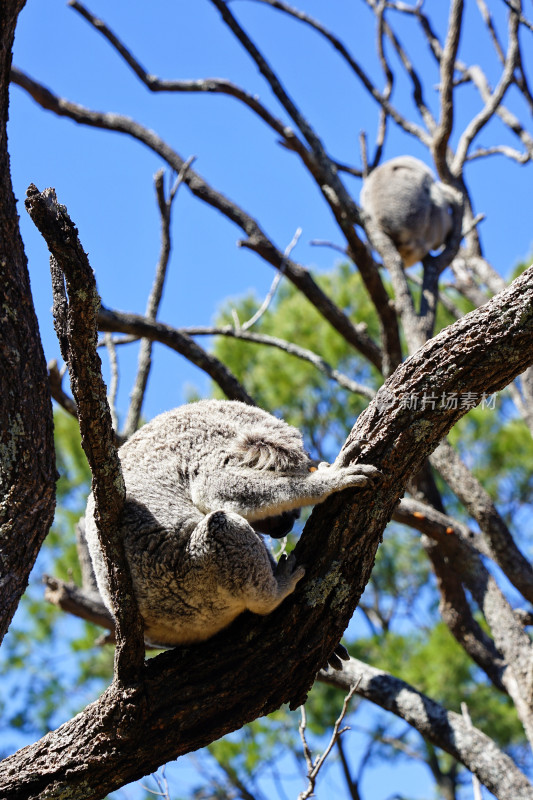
pixel 401 121
pixel 257 239
pixel 418 93
pixel 114 321
pixel 272 291
pixel 154 299
pixel 207 85
pixel 113 386
pixel 506 79
pixel 291 349
pixel 443 728
pixel 447 70
pixel 314 767
pixel 502 150
pixel 477 501
pixel 73 600
pixel 76 303
pixel 456 613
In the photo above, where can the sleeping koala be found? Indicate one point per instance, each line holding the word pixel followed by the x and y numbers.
pixel 202 482
pixel 403 198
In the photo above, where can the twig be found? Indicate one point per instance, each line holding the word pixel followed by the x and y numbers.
pixel 145 351
pixel 287 347
pixel 76 304
pixel 113 385
pixel 257 239
pixel 314 767
pixel 114 321
pixel 55 381
pixel 523 21
pixel 277 278
pixel 325 243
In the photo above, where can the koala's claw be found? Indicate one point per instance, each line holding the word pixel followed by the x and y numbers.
pixel 336 658
pixel 288 569
pixel 362 474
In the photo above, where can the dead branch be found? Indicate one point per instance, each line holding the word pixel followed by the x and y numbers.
pixel 145 351
pixel 314 766
pixel 291 349
pixel 76 303
pixel 257 239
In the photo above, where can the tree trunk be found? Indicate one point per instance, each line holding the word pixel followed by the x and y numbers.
pixel 27 464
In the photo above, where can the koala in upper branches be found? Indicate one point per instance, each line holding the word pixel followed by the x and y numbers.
pixel 405 201
pixel 202 483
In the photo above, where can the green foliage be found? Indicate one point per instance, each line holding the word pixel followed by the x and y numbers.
pixel 284 384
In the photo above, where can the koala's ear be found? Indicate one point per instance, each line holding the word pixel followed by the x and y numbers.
pixel 270 448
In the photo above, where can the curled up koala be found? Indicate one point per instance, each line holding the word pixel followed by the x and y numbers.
pixel 203 483
pixel 403 199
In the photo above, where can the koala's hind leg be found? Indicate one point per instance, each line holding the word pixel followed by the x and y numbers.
pixel 245 573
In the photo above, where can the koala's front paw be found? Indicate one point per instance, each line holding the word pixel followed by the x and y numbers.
pixel 288 573
pixel 360 475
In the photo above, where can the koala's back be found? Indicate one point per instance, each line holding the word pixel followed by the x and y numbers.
pixel 160 463
pixel 409 205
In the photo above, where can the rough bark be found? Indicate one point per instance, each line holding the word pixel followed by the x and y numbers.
pixel 27 465
pixel 195 695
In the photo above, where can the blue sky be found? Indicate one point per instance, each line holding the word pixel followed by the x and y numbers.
pixel 106 180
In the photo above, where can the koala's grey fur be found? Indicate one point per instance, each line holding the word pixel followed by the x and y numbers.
pixel 198 480
pixel 403 198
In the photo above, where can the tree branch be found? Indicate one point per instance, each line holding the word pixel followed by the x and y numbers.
pixel 443 728
pixel 76 304
pixel 502 546
pixel 257 239
pixel 297 638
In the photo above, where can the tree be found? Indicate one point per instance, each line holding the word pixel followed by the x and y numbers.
pixel 157 709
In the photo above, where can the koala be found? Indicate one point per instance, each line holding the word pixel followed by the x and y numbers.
pixel 203 483
pixel 403 198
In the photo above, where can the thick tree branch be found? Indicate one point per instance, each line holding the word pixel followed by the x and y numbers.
pixel 445 729
pixel 76 304
pixel 181 685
